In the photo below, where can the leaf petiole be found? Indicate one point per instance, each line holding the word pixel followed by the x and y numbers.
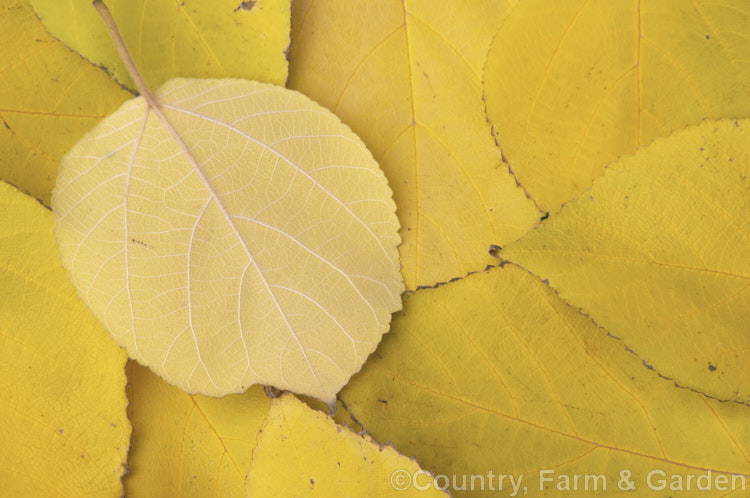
pixel 122 49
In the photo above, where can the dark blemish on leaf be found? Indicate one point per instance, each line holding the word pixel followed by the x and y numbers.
pixel 246 5
pixel 139 242
pixel 711 367
pixel 382 401
pixel 312 481
pixel 5 123
pixel 338 463
pixel 708 37
pixel 545 216
pixel 494 251
pixel 83 456
pixel 61 430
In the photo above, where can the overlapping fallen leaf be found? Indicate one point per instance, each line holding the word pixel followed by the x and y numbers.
pixel 334 461
pixel 63 427
pixel 167 39
pixel 49 98
pixel 572 86
pixel 514 381
pixel 186 445
pixel 406 76
pixel 658 253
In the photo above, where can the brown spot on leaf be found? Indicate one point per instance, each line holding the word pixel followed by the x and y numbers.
pixel 246 5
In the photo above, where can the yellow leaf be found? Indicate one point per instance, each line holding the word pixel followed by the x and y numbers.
pixel 406 76
pixel 63 427
pixel 170 38
pixel 301 452
pixel 658 253
pixel 572 86
pixel 189 445
pixel 247 237
pixel 49 98
pixel 512 380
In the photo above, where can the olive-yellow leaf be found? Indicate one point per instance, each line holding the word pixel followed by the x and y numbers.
pixel 247 237
pixel 406 76
pixel 49 97
pixel 301 452
pixel 572 86
pixel 517 382
pixel 63 426
pixel 187 38
pixel 658 253
pixel 189 446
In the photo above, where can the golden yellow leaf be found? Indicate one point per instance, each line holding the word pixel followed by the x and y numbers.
pixel 512 380
pixel 189 445
pixel 170 38
pixel 572 86
pixel 63 427
pixel 302 452
pixel 406 76
pixel 246 237
pixel 49 98
pixel 658 253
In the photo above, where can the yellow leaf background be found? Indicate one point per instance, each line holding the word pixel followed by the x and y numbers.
pixel 337 460
pixel 189 445
pixel 515 381
pixel 658 253
pixel 493 371
pixel 199 39
pixel 50 97
pixel 406 76
pixel 571 86
pixel 63 429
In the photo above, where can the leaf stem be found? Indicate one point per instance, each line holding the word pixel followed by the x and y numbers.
pixel 122 49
